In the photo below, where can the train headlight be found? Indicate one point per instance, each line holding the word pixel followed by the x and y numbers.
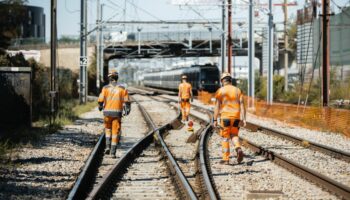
pixel 202 82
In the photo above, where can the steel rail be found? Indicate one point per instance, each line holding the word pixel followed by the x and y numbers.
pixel 181 180
pixel 305 172
pixel 204 160
pixel 176 170
pixel 101 191
pixel 80 188
pixel 204 164
pixel 337 153
pixel 325 182
pixel 313 145
pixel 83 183
pixel 205 167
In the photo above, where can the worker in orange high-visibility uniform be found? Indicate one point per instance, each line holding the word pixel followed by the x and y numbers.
pixel 230 106
pixel 113 100
pixel 185 96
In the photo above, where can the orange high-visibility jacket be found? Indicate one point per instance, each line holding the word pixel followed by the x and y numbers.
pixel 185 90
pixel 113 97
pixel 229 97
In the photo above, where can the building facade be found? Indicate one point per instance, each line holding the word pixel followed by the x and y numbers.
pixel 34 23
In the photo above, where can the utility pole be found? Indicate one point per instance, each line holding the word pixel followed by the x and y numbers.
pixel 229 37
pixel 101 41
pixel 251 53
pixel 139 29
pixel 124 14
pixel 83 49
pixel 285 10
pixel 190 36
pixel 53 86
pixel 270 57
pixel 223 37
pixel 98 44
pixel 211 40
pixel 325 48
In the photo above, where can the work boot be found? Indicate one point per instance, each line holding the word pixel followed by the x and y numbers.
pixel 107 151
pixel 108 145
pixel 113 151
pixel 239 155
pixel 224 162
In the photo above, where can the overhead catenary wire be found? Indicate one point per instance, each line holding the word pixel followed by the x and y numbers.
pixel 101 23
pixel 114 4
pixel 143 10
pixel 302 75
pixel 199 14
pixel 147 12
pixel 68 10
pixel 313 70
pixel 341 8
pixel 135 7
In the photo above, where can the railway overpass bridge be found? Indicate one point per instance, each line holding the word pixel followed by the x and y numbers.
pixel 177 44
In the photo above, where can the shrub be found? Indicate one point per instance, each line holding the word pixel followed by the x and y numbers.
pixel 92 75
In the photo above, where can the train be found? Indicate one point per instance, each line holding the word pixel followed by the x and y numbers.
pixel 202 78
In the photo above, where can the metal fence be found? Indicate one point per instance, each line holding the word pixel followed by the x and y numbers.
pixel 309 45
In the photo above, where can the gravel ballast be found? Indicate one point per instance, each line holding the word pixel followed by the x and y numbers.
pixel 133 129
pixel 147 177
pixel 331 139
pixel 334 168
pixel 49 168
pixel 239 181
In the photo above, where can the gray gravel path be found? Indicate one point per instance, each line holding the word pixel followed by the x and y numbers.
pixel 238 181
pixel 332 139
pixel 49 168
pixel 185 153
pixel 334 168
pixel 133 129
pixel 147 177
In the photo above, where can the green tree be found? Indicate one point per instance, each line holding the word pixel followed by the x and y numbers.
pixel 12 15
pixel 292 35
pixel 92 75
pixel 66 39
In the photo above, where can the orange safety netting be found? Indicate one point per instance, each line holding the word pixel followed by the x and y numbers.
pixel 317 118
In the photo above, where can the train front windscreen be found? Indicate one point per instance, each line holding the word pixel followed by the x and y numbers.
pixel 210 79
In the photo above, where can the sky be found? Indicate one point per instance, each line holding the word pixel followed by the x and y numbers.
pixel 68 12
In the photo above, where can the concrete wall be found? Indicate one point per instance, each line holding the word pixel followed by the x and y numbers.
pixel 66 57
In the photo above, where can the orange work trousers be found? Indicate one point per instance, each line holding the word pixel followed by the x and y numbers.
pixel 229 132
pixel 185 108
pixel 112 128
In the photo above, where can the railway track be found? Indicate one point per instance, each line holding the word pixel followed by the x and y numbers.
pixel 142 163
pixel 335 179
pixel 205 178
pixel 187 152
pixel 99 164
pixel 330 183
